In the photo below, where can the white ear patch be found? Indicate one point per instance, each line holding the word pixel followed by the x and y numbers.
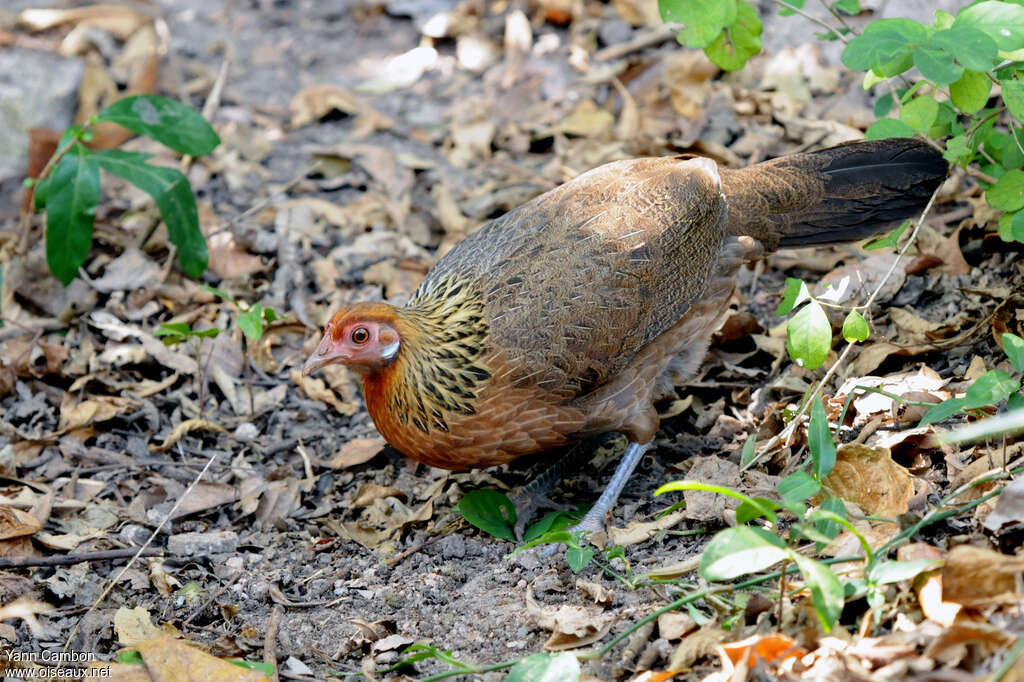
pixel 389 351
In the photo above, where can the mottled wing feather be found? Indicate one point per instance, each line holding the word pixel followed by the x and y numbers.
pixel 578 280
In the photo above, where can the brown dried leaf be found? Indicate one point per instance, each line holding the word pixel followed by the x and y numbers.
pixel 571 626
pixel 369 492
pixel 356 451
pixel 675 625
pixel 119 20
pixel 16 523
pixel 74 414
pixel 928 585
pixel 640 531
pixel 316 389
pixel 184 428
pixel 166 657
pixel 1009 507
pixel 134 626
pixel 869 478
pixel 975 576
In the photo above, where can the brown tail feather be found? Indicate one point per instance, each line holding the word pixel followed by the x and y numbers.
pixel 843 193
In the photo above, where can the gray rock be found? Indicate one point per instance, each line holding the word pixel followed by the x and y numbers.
pixel 193 544
pixel 37 89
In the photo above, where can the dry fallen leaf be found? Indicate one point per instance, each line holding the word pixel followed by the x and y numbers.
pixel 869 478
pixel 356 451
pixel 134 625
pixel 184 428
pixel 975 576
pixel 167 657
pixel 571 626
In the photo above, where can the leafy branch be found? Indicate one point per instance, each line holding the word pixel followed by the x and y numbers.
pixel 68 188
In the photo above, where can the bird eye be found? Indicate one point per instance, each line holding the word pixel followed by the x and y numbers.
pixel 360 335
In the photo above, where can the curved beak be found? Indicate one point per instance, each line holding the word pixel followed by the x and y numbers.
pixel 324 354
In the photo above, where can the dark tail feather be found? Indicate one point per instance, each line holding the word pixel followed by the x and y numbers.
pixel 839 194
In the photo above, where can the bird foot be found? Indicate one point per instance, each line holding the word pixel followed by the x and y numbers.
pixel 527 503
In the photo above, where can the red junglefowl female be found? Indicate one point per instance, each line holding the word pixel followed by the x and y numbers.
pixel 572 314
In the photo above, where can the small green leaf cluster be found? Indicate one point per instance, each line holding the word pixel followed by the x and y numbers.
pixel 750 548
pixel 494 513
pixel 961 59
pixel 178 332
pixel 729 31
pixel 253 319
pixel 70 191
pixel 990 389
pixel 809 332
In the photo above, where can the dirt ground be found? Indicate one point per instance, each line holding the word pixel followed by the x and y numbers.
pixel 305 523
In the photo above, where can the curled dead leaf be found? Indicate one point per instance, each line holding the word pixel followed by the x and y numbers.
pixel 184 428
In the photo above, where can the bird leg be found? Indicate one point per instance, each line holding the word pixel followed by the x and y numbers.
pixel 534 496
pixel 594 519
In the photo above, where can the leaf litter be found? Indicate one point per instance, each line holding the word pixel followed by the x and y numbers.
pixel 345 184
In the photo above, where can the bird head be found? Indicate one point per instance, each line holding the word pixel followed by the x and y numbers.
pixel 363 337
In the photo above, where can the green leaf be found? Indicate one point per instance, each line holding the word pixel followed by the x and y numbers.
pixel 578 558
pixel 944 410
pixel 739 41
pixel 851 7
pixel 1015 402
pixel 551 522
pixel 936 64
pixel 545 667
pixel 885 47
pixel 920 113
pixel 1013 346
pixel 888 572
pixel 173 196
pixel 1003 22
pixel 747 512
pixel 1013 95
pixel 883 105
pixel 737 551
pixel 704 19
pixel 855 327
pixel 970 92
pixel 748 453
pixel 829 528
pixel 251 322
pixel 1008 193
pixel 990 388
pixel 819 441
pixel 888 127
pixel 809 336
pixel 826 590
pixel 72 194
pixel 785 11
pixel 890 240
pixel 490 511
pixel 794 294
pixel 130 658
pixel 171 123
pixel 797 487
pixel 958 150
pixel 1012 228
pixel 972 47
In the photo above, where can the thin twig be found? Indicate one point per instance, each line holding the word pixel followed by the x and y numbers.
pixel 270 640
pixel 809 17
pixel 167 517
